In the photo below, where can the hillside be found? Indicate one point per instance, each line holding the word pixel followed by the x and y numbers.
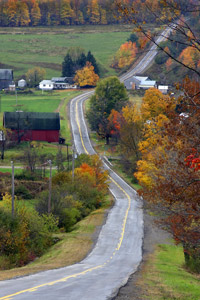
pixel 24 48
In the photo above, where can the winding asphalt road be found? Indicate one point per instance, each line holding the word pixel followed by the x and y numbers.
pixel 118 251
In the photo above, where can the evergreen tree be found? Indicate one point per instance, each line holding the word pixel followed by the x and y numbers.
pixel 68 67
pixel 81 61
pixel 92 60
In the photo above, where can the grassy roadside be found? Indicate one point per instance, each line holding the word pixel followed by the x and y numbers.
pixel 165 278
pixel 73 247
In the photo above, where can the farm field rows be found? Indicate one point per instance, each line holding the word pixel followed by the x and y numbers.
pixel 25 48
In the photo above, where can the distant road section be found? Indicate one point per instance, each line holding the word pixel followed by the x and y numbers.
pixel 118 251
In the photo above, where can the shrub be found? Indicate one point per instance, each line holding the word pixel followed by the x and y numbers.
pixel 22 192
pixel 27 175
pixel 70 217
pixel 22 237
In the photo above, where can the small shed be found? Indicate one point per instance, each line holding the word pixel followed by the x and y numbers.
pixel 22 83
pixel 46 85
pixel 163 88
pixel 33 126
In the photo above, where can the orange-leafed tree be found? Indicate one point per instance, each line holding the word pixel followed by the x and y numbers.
pixel 190 56
pixel 125 56
pixel 93 12
pixel 86 76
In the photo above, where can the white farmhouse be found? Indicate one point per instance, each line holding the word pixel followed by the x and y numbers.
pixel 46 85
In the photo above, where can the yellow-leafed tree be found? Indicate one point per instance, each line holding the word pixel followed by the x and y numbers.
pixel 86 76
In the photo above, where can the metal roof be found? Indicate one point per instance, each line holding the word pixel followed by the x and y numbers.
pixel 31 121
pixel 6 74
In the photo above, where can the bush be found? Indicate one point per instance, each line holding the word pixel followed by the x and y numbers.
pixel 70 217
pixel 22 192
pixel 27 175
pixel 161 58
pixel 22 237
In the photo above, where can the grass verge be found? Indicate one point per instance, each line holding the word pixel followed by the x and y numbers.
pixel 72 248
pixel 165 278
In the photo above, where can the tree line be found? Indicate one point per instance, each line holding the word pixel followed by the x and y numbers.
pixel 60 12
pixel 159 144
pixel 14 13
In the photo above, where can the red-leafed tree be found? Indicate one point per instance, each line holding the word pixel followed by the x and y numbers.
pixel 114 124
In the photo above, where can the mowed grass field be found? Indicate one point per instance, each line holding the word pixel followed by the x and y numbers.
pixel 35 102
pixel 25 48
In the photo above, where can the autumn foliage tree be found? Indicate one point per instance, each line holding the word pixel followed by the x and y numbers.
pixel 168 170
pixel 130 135
pixel 179 16
pixel 86 76
pixel 125 56
pixel 109 94
pixel 34 76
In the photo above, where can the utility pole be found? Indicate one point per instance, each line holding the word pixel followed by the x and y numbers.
pixel 67 156
pixel 73 158
pixel 16 97
pixel 50 187
pixel 13 188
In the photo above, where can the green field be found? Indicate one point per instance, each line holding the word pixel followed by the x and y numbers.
pixel 37 101
pixel 24 48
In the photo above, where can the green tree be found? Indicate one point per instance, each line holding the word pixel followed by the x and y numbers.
pixel 110 94
pixel 34 76
pixel 68 66
pixel 133 38
pixel 81 61
pixel 92 60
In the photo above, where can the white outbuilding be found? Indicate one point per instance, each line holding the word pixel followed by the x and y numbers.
pixel 21 83
pixel 46 85
pixel 163 88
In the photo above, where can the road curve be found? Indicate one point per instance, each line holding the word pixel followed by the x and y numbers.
pixel 118 250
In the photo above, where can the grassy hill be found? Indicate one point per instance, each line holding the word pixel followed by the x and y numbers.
pixel 24 48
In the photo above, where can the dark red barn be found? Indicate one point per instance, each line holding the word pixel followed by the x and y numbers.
pixel 33 126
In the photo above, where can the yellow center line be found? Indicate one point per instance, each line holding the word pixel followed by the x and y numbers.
pixel 9 297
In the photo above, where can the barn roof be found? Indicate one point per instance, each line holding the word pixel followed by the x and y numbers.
pixel 31 121
pixel 6 74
